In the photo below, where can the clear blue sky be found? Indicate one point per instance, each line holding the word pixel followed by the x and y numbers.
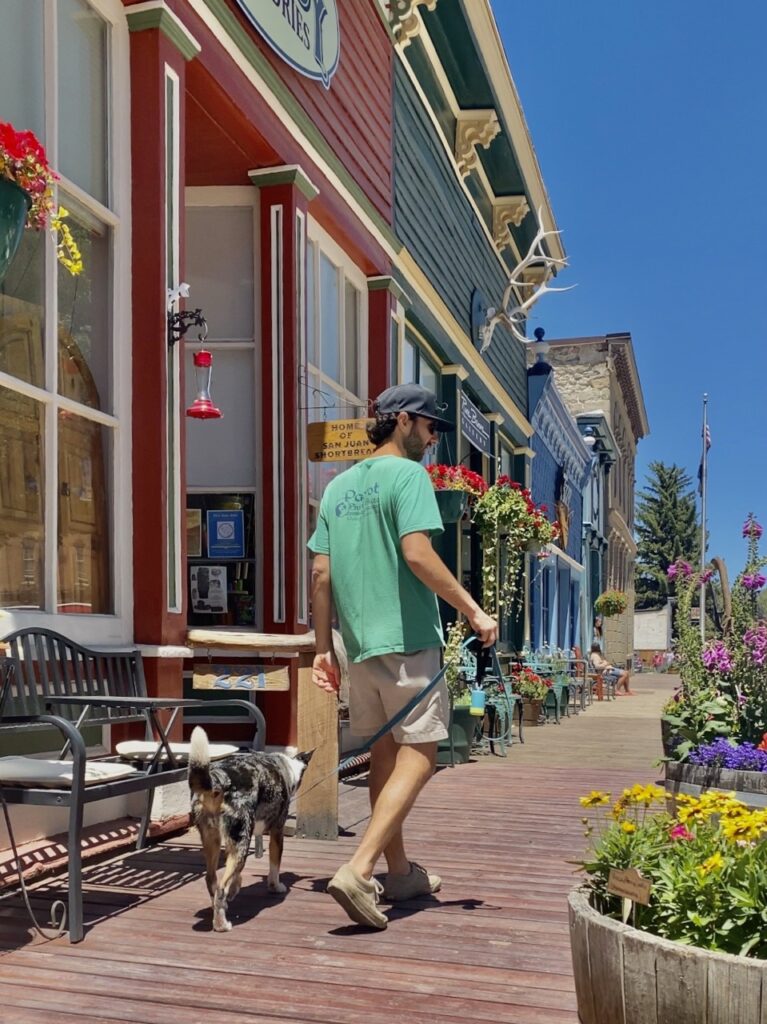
pixel 650 124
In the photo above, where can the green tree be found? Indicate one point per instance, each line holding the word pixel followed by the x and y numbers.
pixel 666 529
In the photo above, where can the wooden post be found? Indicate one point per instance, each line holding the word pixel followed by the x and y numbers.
pixel 317 803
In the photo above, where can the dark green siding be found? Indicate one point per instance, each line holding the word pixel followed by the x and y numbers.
pixel 435 220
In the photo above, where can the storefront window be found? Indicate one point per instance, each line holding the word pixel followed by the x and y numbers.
pixel 82 79
pixel 223 455
pixel 336 348
pixel 222 559
pixel 58 332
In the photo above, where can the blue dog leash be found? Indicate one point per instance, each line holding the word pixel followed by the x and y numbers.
pixel 352 756
pixel 402 713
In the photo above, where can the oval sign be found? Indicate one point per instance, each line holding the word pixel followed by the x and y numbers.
pixel 305 33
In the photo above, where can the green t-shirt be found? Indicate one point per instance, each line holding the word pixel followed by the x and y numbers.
pixel 382 606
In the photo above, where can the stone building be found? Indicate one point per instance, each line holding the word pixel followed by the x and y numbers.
pixel 599 375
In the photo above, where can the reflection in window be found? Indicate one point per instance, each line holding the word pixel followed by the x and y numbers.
pixel 22 490
pixel 84 584
pixel 22 312
pixel 84 301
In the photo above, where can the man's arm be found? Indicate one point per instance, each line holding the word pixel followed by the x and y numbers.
pixel 325 672
pixel 425 563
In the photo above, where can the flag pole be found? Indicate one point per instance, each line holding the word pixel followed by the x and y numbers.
pixel 703 483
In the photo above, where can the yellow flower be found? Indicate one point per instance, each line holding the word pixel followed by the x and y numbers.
pixel 628 827
pixel 713 863
pixel 745 828
pixel 596 798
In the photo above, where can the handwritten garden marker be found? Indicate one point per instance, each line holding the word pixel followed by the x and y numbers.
pixel 631 885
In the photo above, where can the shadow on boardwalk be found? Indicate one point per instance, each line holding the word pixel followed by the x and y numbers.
pixel 493 945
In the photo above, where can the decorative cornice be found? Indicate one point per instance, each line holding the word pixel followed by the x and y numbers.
pixel 474 128
pixel 157 14
pixel 287 174
pixel 627 375
pixel 507 210
pixel 383 283
pixel 406 22
pixel 556 428
pixel 494 417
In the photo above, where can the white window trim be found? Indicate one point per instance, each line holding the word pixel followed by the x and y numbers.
pixel 173 359
pixel 99 629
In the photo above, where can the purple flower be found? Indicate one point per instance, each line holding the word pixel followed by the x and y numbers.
pixel 754 581
pixel 724 754
pixel 679 568
pixel 717 658
pixel 706 575
pixel 751 528
pixel 755 640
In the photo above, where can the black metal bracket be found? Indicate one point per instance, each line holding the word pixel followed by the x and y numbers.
pixel 179 323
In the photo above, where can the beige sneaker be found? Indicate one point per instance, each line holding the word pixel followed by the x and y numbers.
pixel 404 887
pixel 358 897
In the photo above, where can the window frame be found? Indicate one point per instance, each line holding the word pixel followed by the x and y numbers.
pixel 316 236
pixel 115 626
pixel 209 197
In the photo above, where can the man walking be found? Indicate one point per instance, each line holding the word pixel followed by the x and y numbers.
pixel 374 559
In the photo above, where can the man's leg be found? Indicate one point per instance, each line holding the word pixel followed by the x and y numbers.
pixel 383 759
pixel 413 767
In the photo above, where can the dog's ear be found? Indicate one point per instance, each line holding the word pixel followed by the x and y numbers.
pixel 305 756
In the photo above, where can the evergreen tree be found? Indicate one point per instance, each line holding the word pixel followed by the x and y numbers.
pixel 666 529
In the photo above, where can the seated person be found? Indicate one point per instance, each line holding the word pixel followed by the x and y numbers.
pixel 609 672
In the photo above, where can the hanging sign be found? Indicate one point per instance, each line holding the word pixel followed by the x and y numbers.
pixel 305 33
pixel 474 427
pixel 338 441
pixel 240 677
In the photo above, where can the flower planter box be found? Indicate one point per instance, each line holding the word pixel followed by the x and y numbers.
pixel 14 204
pixel 749 787
pixel 451 504
pixel 627 976
pixel 462 725
pixel 532 712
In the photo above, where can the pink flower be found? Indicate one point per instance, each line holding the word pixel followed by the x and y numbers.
pixel 751 528
pixel 754 581
pixel 706 575
pixel 681 832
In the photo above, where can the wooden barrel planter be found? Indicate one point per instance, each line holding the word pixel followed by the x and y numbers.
pixel 626 976
pixel 532 712
pixel 694 779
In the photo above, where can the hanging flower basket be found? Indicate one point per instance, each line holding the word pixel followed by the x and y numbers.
pixel 452 505
pixel 14 206
pixel 612 602
pixel 26 199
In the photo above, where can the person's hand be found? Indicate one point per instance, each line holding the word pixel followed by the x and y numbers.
pixel 484 626
pixel 326 673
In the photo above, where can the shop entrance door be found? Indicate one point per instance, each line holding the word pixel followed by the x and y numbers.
pixel 223 466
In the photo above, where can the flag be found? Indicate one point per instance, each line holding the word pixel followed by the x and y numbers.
pixel 706 434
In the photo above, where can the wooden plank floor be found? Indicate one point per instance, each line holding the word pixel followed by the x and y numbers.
pixel 493 945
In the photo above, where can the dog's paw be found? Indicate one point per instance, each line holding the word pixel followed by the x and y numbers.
pixel 221 924
pixel 278 888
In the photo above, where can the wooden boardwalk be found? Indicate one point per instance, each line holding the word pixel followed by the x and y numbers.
pixel 493 945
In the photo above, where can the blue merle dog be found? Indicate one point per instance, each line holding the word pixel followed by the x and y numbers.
pixel 234 799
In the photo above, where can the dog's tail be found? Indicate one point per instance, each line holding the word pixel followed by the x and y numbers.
pixel 199 762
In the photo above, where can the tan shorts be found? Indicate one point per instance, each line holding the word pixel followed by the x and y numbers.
pixel 380 686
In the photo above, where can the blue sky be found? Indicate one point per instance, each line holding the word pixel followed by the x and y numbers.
pixel 650 124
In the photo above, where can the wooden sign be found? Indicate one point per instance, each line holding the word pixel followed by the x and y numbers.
pixel 338 441
pixel 630 885
pixel 240 677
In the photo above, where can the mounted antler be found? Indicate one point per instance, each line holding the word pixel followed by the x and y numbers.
pixel 513 314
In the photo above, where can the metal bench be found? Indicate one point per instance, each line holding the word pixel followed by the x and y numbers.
pixel 50 682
